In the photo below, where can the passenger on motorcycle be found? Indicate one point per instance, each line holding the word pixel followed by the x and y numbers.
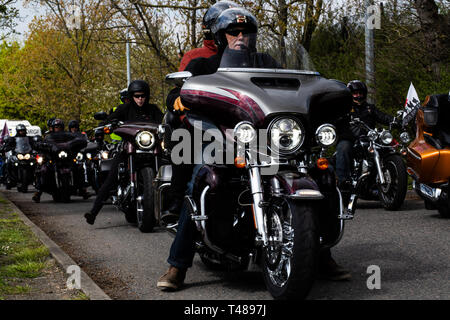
pixel 209 47
pixel 138 109
pixel 367 113
pixel 56 135
pixel 235 34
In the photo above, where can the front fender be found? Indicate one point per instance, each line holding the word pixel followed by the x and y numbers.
pixel 299 187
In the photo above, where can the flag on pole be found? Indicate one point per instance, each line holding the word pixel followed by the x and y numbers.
pixel 5 132
pixel 412 104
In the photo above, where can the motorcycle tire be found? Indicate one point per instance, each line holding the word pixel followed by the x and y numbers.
pixel 444 210
pixel 146 219
pixel 66 188
pixel 24 180
pixel 291 276
pixel 393 197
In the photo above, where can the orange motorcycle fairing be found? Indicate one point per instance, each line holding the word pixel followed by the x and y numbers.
pixel 426 163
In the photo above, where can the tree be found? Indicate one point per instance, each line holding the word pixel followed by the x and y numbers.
pixel 8 14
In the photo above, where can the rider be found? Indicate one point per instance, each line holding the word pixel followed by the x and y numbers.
pixel 367 113
pixel 236 29
pixel 209 47
pixel 124 99
pixel 138 109
pixel 79 171
pixel 10 144
pixel 56 135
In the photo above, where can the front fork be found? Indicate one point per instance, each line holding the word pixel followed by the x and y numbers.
pixel 258 200
pixel 376 156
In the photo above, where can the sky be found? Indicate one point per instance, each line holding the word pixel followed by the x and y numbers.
pixel 27 12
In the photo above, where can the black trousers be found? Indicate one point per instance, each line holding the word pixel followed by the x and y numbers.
pixel 109 183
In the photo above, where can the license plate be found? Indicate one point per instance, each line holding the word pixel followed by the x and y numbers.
pixel 427 190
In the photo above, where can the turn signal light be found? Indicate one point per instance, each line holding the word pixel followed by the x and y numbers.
pixel 322 163
pixel 106 130
pixel 239 162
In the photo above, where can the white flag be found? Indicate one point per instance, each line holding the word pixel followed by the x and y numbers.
pixel 412 104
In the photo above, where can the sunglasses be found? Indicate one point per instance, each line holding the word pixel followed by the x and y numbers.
pixel 236 32
pixel 137 96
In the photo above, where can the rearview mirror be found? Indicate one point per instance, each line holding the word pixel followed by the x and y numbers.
pixel 100 115
pixel 178 78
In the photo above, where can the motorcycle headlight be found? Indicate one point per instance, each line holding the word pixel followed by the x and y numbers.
pixel 145 140
pixel 62 155
pixel 326 135
pixel 373 135
pixel 286 134
pixel 27 156
pixel 105 154
pixel 244 132
pixel 39 159
pixel 404 137
pixel 386 137
pixel 89 156
pixel 20 156
pixel 79 156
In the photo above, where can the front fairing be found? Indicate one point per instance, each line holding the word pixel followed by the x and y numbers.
pixel 256 87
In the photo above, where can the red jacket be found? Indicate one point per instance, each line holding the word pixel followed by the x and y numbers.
pixel 209 48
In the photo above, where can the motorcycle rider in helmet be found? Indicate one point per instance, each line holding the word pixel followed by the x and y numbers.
pixel 79 172
pixel 10 144
pixel 209 47
pixel 124 99
pixel 235 32
pixel 367 113
pixel 138 109
pixel 57 135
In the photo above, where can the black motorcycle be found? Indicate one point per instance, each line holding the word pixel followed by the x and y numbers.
pixel 276 204
pixel 379 171
pixel 56 171
pixel 20 165
pixel 140 152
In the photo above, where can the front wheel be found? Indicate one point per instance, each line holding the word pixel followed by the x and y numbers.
pixel 145 202
pixel 393 193
pixel 444 209
pixel 290 259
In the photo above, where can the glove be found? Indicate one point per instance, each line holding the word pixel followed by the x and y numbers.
pixel 178 106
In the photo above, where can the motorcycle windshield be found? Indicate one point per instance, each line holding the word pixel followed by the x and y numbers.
pixel 23 145
pixel 258 85
pixel 242 54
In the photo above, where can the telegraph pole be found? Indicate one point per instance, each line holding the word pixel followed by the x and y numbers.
pixel 369 50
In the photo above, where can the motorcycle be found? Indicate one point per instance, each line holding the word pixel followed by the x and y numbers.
pixel 20 165
pixel 428 155
pixel 141 153
pixel 379 172
pixel 56 171
pixel 272 208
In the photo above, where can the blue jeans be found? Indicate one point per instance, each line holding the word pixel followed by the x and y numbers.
pixel 182 250
pixel 344 160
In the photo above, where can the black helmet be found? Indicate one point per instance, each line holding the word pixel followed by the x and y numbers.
pixel 213 12
pixel 138 86
pixel 357 85
pixel 50 121
pixel 123 94
pixel 58 123
pixel 230 18
pixel 74 124
pixel 21 127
